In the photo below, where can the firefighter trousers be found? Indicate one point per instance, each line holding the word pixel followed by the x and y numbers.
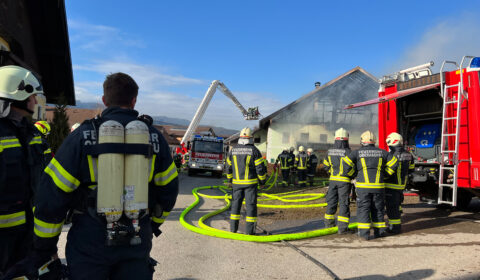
pixel 14 246
pixel 371 204
pixel 293 177
pixel 302 177
pixel 250 195
pixel 89 258
pixel 285 177
pixel 393 200
pixel 338 194
pixel 310 178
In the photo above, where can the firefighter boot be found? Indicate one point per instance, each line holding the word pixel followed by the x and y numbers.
pixel 379 232
pixel 250 228
pixel 234 225
pixel 329 223
pixel 364 234
pixel 394 229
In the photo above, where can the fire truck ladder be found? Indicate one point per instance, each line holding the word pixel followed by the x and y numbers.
pixel 250 114
pixel 451 114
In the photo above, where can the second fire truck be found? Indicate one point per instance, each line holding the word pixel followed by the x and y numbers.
pixel 438 116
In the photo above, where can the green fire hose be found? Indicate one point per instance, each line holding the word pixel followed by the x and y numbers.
pixel 288 197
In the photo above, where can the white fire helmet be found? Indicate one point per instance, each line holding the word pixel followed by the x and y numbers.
pixel 301 149
pixel 310 150
pixel 17 83
pixel 246 133
pixel 285 149
pixel 74 126
pixel 341 134
pixel 394 139
pixel 368 138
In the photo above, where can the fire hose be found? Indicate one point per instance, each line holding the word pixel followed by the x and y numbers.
pixel 288 197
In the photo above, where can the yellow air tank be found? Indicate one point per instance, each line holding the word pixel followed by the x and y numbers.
pixel 110 173
pixel 136 171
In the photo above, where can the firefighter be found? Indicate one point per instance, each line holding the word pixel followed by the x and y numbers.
pixel 44 128
pixel 395 184
pixel 186 158
pixel 21 161
pixel 245 170
pixel 293 170
pixel 340 186
pixel 177 159
pixel 83 168
pixel 370 163
pixel 286 164
pixel 301 166
pixel 312 163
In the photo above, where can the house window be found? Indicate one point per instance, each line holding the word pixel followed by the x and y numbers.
pixel 323 138
pixel 257 140
pixel 285 138
pixel 304 137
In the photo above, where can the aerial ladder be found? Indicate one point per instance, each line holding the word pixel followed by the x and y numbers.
pixel 251 113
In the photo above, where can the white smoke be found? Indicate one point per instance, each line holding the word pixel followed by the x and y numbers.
pixel 449 39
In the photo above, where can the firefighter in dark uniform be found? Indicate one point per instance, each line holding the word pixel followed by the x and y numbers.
pixel 371 165
pixel 340 186
pixel 21 162
pixel 293 171
pixel 70 182
pixel 301 165
pixel 44 128
pixel 395 184
pixel 312 163
pixel 245 170
pixel 286 164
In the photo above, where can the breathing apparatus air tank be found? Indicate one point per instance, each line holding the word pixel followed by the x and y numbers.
pixel 136 172
pixel 110 174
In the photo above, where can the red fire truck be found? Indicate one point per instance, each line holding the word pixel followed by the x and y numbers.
pixel 438 116
pixel 206 154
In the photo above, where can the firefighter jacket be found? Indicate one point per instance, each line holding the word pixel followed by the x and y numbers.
pixel 301 161
pixel 372 165
pixel 21 165
pixel 245 166
pixel 334 162
pixel 47 152
pixel 292 156
pixel 70 182
pixel 405 164
pixel 285 160
pixel 312 163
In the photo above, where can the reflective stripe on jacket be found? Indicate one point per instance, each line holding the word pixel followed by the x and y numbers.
pixel 335 164
pixel 285 160
pixel 71 177
pixel 245 166
pixel 21 165
pixel 405 163
pixel 371 164
pixel 301 160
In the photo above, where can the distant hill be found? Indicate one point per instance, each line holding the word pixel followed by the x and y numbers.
pixel 88 105
pixel 161 120
pixel 171 121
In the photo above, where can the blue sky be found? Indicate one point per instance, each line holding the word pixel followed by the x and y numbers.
pixel 268 53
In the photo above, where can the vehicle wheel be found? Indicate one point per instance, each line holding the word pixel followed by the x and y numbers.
pixel 463 199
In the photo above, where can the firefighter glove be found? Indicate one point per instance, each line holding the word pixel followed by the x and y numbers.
pixel 29 267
